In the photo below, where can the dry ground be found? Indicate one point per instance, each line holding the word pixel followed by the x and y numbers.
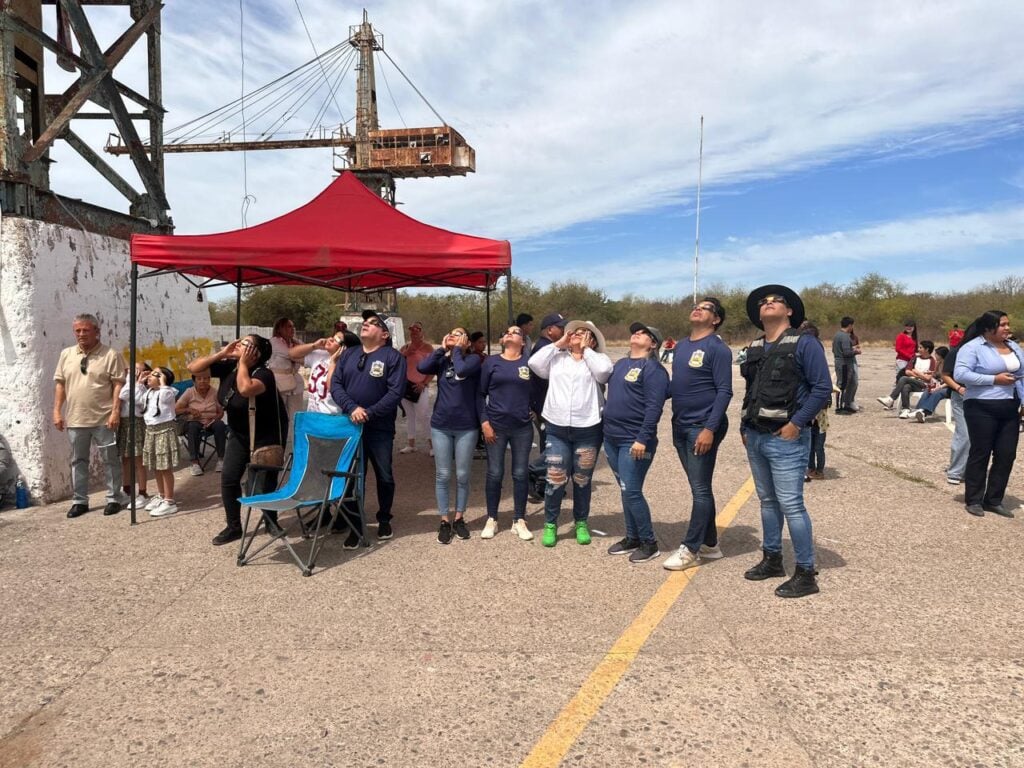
pixel 125 646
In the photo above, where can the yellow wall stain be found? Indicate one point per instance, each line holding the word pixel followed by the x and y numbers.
pixel 176 357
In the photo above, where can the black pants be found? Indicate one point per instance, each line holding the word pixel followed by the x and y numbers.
pixel 993 426
pixel 195 430
pixel 236 457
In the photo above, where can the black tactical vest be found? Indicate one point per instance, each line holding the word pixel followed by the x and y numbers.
pixel 772 380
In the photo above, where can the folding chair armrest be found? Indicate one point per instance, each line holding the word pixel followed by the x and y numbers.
pixel 336 473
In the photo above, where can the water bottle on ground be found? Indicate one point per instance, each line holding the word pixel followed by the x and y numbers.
pixel 21 493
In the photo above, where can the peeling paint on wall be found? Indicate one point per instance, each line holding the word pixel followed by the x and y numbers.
pixel 48 274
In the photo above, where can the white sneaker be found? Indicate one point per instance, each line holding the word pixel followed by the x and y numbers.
pixel 220 465
pixel 408 449
pixel 195 470
pixel 490 528
pixel 520 530
pixel 710 553
pixel 905 413
pixel 681 560
pixel 141 501
pixel 885 401
pixel 919 416
pixel 168 507
pixel 154 501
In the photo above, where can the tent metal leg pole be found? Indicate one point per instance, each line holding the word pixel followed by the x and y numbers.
pixel 131 391
pixel 508 294
pixel 238 305
pixel 487 294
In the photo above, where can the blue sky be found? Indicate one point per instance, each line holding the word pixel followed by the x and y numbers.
pixel 840 138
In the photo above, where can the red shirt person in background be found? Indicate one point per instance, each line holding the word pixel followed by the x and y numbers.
pixel 955 336
pixel 906 346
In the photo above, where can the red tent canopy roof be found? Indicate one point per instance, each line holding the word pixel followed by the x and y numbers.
pixel 346 238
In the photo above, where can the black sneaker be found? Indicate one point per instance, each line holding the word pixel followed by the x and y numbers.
pixel 226 536
pixel 112 508
pixel 623 546
pixel 648 550
pixel 444 533
pixel 769 567
pixel 352 541
pixel 460 529
pixel 384 531
pixel 802 584
pixel 533 497
pixel 995 509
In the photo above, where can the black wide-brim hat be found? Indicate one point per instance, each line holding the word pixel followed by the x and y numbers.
pixel 793 301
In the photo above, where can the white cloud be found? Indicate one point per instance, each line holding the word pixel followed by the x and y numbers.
pixel 583 112
pixel 939 252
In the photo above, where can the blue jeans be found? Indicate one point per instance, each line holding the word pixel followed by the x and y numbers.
pixel 571 456
pixel 699 473
pixel 377 448
pixel 816 459
pixel 960 448
pixel 778 468
pixel 930 400
pixel 630 474
pixel 521 440
pixel 81 439
pixel 448 442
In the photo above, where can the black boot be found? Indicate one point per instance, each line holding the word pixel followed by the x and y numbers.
pixel 802 584
pixel 769 567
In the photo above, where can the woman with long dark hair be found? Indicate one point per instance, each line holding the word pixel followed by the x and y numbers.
pixel 241 367
pixel 991 368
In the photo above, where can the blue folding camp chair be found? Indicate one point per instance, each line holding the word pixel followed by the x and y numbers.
pixel 327 469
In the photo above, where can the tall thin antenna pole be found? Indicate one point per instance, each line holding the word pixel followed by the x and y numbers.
pixel 696 246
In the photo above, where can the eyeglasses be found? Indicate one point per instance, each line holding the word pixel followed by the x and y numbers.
pixel 708 308
pixel 375 324
pixel 362 362
pixel 83 366
pixel 772 300
pixel 516 332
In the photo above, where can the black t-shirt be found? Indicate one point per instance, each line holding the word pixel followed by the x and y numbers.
pixel 271 415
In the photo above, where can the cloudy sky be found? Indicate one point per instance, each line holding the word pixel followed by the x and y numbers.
pixel 839 137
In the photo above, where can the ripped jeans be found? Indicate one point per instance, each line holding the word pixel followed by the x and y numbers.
pixel 571 455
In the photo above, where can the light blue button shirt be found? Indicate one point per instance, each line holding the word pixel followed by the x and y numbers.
pixel 978 362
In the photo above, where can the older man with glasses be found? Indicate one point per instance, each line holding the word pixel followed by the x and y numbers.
pixel 788 383
pixel 701 389
pixel 368 385
pixel 88 382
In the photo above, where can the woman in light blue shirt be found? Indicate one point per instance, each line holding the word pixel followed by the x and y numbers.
pixel 991 367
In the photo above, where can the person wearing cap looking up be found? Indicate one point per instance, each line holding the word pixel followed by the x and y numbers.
pixel 552 328
pixel 525 322
pixel 787 384
pixel 636 397
pixel 368 385
pixel 701 390
pixel 576 368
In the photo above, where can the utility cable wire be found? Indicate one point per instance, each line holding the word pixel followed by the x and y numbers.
pixel 395 103
pixel 313 45
pixel 413 85
pixel 247 199
pixel 323 109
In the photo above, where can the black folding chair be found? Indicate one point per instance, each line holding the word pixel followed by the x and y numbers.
pixel 327 469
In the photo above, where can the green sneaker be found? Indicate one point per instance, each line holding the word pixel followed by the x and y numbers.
pixel 582 532
pixel 550 537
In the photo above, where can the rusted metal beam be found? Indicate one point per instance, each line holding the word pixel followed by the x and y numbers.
pixel 97 162
pixel 248 146
pixel 91 49
pixel 73 99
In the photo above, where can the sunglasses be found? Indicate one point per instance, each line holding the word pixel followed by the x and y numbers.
pixel 707 308
pixel 83 366
pixel 772 300
pixel 516 332
pixel 362 362
pixel 375 324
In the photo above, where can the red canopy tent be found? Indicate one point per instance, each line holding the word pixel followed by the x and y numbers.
pixel 346 238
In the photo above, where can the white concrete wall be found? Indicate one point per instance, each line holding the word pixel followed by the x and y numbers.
pixel 49 274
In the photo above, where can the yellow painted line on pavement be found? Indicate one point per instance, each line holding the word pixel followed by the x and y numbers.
pixel 574 717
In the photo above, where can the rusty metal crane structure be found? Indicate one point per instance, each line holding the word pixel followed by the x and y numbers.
pixel 377 156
